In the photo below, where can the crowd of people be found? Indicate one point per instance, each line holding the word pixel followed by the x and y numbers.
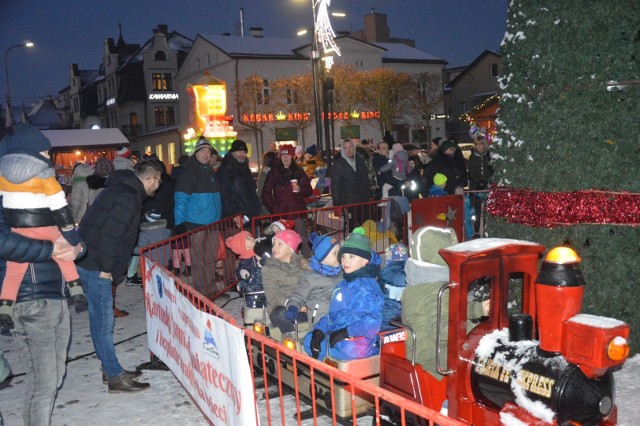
pixel 344 293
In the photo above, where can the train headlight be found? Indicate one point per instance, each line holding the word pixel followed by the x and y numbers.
pixel 289 343
pixel 618 349
pixel 562 255
pixel 258 327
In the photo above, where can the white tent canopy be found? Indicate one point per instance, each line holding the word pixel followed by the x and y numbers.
pixel 85 137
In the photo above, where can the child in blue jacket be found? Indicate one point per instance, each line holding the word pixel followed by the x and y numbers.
pixel 355 313
pixel 393 279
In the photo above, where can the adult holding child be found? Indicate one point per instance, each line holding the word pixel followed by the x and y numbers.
pixel 284 191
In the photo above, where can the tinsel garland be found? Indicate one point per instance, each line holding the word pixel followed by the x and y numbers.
pixel 549 209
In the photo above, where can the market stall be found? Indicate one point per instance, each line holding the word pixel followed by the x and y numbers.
pixel 70 147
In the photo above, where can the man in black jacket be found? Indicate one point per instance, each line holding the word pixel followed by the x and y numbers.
pixel 350 184
pixel 110 230
pixel 238 190
pixel 41 317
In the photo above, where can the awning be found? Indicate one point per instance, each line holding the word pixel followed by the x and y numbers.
pixel 78 138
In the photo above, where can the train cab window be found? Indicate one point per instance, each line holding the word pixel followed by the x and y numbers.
pixel 515 295
pixel 478 301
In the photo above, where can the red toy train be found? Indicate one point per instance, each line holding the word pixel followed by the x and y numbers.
pixel 535 359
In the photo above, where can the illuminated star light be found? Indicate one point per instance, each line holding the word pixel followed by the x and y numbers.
pixel 324 32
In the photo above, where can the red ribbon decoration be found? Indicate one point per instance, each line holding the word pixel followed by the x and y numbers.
pixel 550 209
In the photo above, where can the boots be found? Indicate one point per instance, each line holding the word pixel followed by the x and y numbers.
pixel 125 383
pixel 133 373
pixel 77 295
pixel 117 312
pixel 6 314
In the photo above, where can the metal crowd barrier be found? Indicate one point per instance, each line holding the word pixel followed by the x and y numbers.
pixel 338 221
pixel 279 372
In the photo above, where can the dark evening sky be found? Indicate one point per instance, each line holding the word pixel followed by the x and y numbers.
pixel 73 31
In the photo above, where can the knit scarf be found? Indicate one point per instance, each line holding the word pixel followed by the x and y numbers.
pixel 324 270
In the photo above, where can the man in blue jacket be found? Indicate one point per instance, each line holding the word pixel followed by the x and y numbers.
pixel 198 203
pixel 42 328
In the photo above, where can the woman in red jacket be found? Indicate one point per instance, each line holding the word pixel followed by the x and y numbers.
pixel 284 191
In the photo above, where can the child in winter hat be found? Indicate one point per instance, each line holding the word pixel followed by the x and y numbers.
pixel 393 278
pixel 357 244
pixel 27 177
pixel 281 225
pixel 287 239
pixel 123 159
pixel 355 310
pixel 249 270
pixel 439 182
pixel 310 299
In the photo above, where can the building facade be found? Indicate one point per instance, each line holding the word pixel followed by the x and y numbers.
pixel 469 87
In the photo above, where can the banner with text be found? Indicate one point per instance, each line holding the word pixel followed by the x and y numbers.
pixel 206 354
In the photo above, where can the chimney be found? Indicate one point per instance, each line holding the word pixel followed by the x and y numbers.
pixel 162 28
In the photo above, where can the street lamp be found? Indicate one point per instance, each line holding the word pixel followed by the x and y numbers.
pixel 6 72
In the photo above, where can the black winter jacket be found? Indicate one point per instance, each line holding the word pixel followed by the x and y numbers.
pixel 110 225
pixel 43 279
pixel 238 189
pixel 349 186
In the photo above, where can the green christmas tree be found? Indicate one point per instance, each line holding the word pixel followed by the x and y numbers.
pixel 568 145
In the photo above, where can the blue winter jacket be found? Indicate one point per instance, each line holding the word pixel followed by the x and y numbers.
pixel 197 197
pixel 394 280
pixel 356 305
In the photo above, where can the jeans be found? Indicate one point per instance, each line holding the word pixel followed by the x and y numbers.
pixel 100 301
pixel 42 332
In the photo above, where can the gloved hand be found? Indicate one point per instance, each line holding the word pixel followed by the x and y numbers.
pixel 181 229
pixel 316 340
pixel 71 236
pixel 244 274
pixel 80 303
pixel 291 313
pixel 337 336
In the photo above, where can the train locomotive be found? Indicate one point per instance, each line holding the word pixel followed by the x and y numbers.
pixel 534 359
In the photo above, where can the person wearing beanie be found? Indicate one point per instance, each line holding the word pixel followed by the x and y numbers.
pixel 350 328
pixel 446 161
pixel 98 180
pixel 393 278
pixel 438 187
pixel 198 202
pixel 298 157
pixel 313 161
pixel 310 299
pixel 202 144
pixel 249 270
pixel 398 166
pixel 281 271
pixel 123 159
pixel 27 178
pixel 433 147
pixel 80 191
pixel 239 190
pixel 285 190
